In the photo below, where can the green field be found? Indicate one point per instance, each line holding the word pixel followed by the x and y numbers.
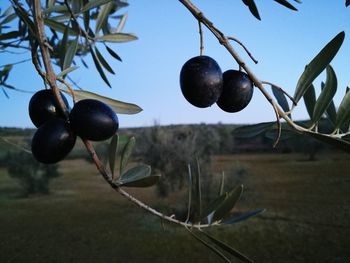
pixel 83 220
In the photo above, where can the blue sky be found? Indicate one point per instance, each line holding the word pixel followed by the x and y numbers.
pixel 283 42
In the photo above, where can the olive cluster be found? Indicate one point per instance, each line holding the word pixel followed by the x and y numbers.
pixel 203 84
pixel 56 134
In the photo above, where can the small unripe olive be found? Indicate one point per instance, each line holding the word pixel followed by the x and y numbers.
pixel 52 141
pixel 201 81
pixel 237 91
pixel 43 107
pixel 93 120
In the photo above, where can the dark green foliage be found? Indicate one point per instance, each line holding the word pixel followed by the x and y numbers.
pixel 43 107
pixel 93 120
pixel 237 91
pixel 201 81
pixel 33 176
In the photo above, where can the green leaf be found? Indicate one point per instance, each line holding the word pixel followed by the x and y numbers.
pixel 286 4
pixel 102 16
pixel 128 148
pixel 113 148
pixel 70 53
pixel 198 191
pixel 212 207
pixel 347 3
pixel 228 248
pixel 56 9
pixel 121 23
pixel 113 54
pixel 252 8
pixel 286 134
pixel 117 37
pixel 318 64
pixel 8 19
pixel 93 4
pixel 99 68
pixel 7 11
pixel 248 131
pixel 118 106
pixel 243 216
pixel 229 202
pixel 326 96
pixel 66 71
pixel 103 61
pixel 343 114
pixel 63 47
pixel 334 141
pixel 9 35
pixel 139 176
pixel 310 100
pixel 23 15
pixel 222 184
pixel 60 27
pixel 331 112
pixel 281 98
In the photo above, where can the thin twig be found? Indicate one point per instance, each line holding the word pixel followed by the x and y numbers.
pixel 280 89
pixel 244 47
pixel 201 43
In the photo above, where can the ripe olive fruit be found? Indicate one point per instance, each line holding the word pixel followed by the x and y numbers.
pixel 93 120
pixel 52 141
pixel 201 81
pixel 237 91
pixel 43 106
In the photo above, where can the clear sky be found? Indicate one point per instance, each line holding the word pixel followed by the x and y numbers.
pixel 283 42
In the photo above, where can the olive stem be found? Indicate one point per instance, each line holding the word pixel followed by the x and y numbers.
pixel 244 47
pixel 201 45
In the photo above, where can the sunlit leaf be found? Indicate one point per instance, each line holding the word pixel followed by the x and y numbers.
pixel 99 68
pixel 118 106
pixel 9 35
pixel 286 4
pixel 228 248
pixel 326 96
pixel 243 216
pixel 93 4
pixel 229 202
pixel 248 131
pixel 113 54
pixel 281 98
pixel 121 23
pixel 310 100
pixel 66 71
pixel 70 53
pixel 117 37
pixel 127 151
pixel 139 176
pixel 252 8
pixel 317 65
pixel 334 141
pixel 102 16
pixel 103 61
pixel 343 114
pixel 113 148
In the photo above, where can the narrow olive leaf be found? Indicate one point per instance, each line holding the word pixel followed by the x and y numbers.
pixel 7 11
pixel 63 47
pixel 113 54
pixel 4 91
pixel 343 114
pixel 99 68
pixel 102 16
pixel 317 65
pixel 23 15
pixel 190 184
pixel 222 184
pixel 121 23
pixel 334 141
pixel 208 245
pixel 118 106
pixel 60 27
pixel 93 4
pixel 8 19
pixel 112 150
pixel 252 8
pixel 228 248
pixel 326 96
pixel 198 189
pixel 229 202
pixel 281 98
pixel 310 100
pixel 139 176
pixel 212 207
pixel 63 73
pixel 103 61
pixel 347 3
pixel 331 113
pixel 9 35
pixel 249 131
pixel 127 151
pixel 286 134
pixel 55 9
pixel 286 4
pixel 70 53
pixel 117 37
pixel 298 1
pixel 243 216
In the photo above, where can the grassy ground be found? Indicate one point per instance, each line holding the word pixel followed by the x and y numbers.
pixel 83 220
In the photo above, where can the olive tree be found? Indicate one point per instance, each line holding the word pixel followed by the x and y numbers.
pixel 59 34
